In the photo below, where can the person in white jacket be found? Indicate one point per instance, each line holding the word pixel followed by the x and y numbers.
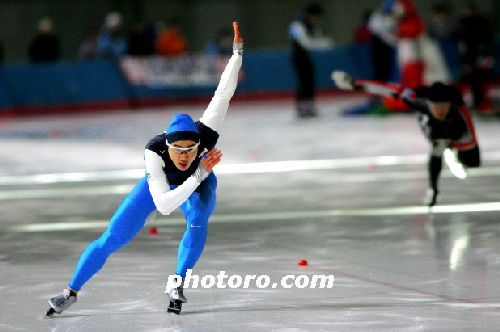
pixel 305 37
pixel 179 173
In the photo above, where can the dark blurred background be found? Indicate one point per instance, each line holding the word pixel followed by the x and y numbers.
pixel 263 22
pixel 78 54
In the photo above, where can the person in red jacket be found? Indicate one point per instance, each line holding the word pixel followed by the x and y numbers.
pixel 409 30
pixel 171 41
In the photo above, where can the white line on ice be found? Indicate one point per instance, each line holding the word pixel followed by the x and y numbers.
pixel 239 168
pixel 122 189
pixel 65 192
pixel 472 305
pixel 274 216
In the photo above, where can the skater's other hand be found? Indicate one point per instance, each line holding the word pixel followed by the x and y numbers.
pixel 210 159
pixel 342 80
pixel 238 39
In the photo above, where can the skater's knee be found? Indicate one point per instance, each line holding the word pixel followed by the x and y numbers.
pixel 111 241
pixel 438 147
pixel 200 210
pixel 202 213
pixel 197 230
pixel 199 222
pixel 195 236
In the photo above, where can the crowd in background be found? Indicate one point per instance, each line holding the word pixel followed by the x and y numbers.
pixel 399 37
pixel 383 28
pixel 111 40
pixel 470 30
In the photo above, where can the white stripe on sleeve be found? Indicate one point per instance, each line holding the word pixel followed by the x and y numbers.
pixel 166 200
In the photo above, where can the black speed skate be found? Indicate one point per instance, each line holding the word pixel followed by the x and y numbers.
pixel 175 307
pixel 61 302
pixel 176 295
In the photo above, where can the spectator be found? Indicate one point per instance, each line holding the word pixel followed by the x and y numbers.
pixel 88 47
pixel 383 25
pixel 475 38
pixel 305 36
pixel 2 52
pixel 410 30
pixel 111 43
pixel 140 42
pixel 407 32
pixel 171 41
pixel 362 33
pixel 222 45
pixel 45 47
pixel 442 26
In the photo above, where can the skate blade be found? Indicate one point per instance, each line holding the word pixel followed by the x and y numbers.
pixel 175 307
pixel 50 313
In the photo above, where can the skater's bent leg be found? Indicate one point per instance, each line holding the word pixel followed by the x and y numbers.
pixel 127 221
pixel 192 244
pixel 197 210
pixel 435 165
pixel 436 162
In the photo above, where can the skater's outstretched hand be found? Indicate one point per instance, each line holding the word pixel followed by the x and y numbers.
pixel 238 39
pixel 343 80
pixel 210 159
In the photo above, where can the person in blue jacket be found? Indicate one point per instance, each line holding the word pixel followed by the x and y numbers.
pixel 179 165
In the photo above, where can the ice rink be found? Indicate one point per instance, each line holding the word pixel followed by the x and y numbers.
pixel 343 193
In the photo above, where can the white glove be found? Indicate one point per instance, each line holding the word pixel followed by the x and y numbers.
pixel 200 173
pixel 407 94
pixel 342 80
pixel 238 48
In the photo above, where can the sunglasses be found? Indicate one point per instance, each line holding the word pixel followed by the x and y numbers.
pixel 180 150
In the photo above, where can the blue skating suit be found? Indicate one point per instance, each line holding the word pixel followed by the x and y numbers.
pixel 132 213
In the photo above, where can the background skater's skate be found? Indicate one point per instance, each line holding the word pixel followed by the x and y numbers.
pixel 61 302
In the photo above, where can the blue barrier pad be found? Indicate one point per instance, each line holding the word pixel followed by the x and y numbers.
pixel 63 83
pixel 270 71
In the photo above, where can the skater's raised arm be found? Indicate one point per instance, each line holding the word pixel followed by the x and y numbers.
pixel 345 82
pixel 214 115
pixel 384 89
pixel 166 200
